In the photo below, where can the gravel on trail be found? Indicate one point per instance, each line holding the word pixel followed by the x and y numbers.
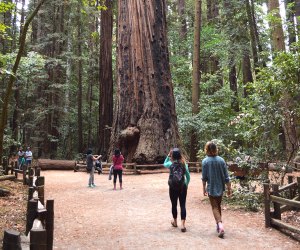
pixel 139 216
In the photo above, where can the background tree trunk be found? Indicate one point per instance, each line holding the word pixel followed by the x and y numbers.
pixel 79 79
pixel 196 76
pixel 276 27
pixel 145 122
pixel 106 79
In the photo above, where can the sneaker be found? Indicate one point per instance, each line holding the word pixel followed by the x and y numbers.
pixel 221 231
pixel 93 185
pixel 89 186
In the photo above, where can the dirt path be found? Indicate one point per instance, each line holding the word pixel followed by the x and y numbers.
pixel 138 217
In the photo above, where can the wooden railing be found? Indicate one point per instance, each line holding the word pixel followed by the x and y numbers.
pixel 280 204
pixel 133 168
pixel 39 218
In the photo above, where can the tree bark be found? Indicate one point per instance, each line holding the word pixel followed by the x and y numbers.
pixel 79 78
pixel 252 36
pixel 106 79
pixel 196 76
pixel 233 84
pixel 247 73
pixel 145 121
pixel 276 27
pixel 183 28
pixel 9 88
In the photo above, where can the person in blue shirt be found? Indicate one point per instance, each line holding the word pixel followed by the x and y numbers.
pixel 214 178
pixel 174 157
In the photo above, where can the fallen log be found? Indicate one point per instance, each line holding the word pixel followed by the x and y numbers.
pixel 48 164
pixel 4 192
pixel 7 177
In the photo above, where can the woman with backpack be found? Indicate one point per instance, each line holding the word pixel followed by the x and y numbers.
pixel 118 167
pixel 214 178
pixel 179 179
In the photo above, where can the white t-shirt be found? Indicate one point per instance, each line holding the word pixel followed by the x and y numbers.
pixel 28 155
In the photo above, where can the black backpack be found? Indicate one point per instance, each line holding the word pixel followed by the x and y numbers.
pixel 176 178
pixel 89 162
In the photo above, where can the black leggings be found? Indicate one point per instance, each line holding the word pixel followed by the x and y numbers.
pixel 118 172
pixel 174 195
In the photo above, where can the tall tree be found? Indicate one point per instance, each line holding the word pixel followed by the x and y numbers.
pixel 106 79
pixel 183 27
pixel 277 36
pixel 196 75
pixel 145 122
pixel 79 80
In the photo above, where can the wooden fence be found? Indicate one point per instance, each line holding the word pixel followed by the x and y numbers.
pixel 39 217
pixel 134 168
pixel 273 198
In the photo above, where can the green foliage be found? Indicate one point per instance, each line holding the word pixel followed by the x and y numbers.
pixel 263 113
pixel 6 6
pixel 242 197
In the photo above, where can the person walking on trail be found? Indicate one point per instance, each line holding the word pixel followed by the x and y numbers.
pixel 28 156
pixel 214 178
pixel 179 179
pixel 90 159
pixel 118 167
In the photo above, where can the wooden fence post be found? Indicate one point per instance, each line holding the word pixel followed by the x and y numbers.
pixel 32 206
pixel 30 176
pixel 50 223
pixel 277 212
pixel 298 182
pixel 290 180
pixel 13 169
pixel 37 171
pixel 41 194
pixel 11 240
pixel 38 239
pixel 24 174
pixel 197 167
pixel 30 193
pixel 40 181
pixel 13 166
pixel 5 165
pixel 267 204
pixel 134 167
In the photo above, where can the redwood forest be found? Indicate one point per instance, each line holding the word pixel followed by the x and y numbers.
pixel 86 81
pixel 146 76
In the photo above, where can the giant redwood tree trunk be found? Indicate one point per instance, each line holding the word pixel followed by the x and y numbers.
pixel 145 122
pixel 106 79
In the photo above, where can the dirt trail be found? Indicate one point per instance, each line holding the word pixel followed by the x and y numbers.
pixel 138 217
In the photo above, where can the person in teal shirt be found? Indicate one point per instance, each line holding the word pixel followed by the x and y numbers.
pixel 214 178
pixel 175 156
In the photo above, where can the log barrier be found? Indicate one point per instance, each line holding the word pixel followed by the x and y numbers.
pixel 39 219
pixel 273 198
